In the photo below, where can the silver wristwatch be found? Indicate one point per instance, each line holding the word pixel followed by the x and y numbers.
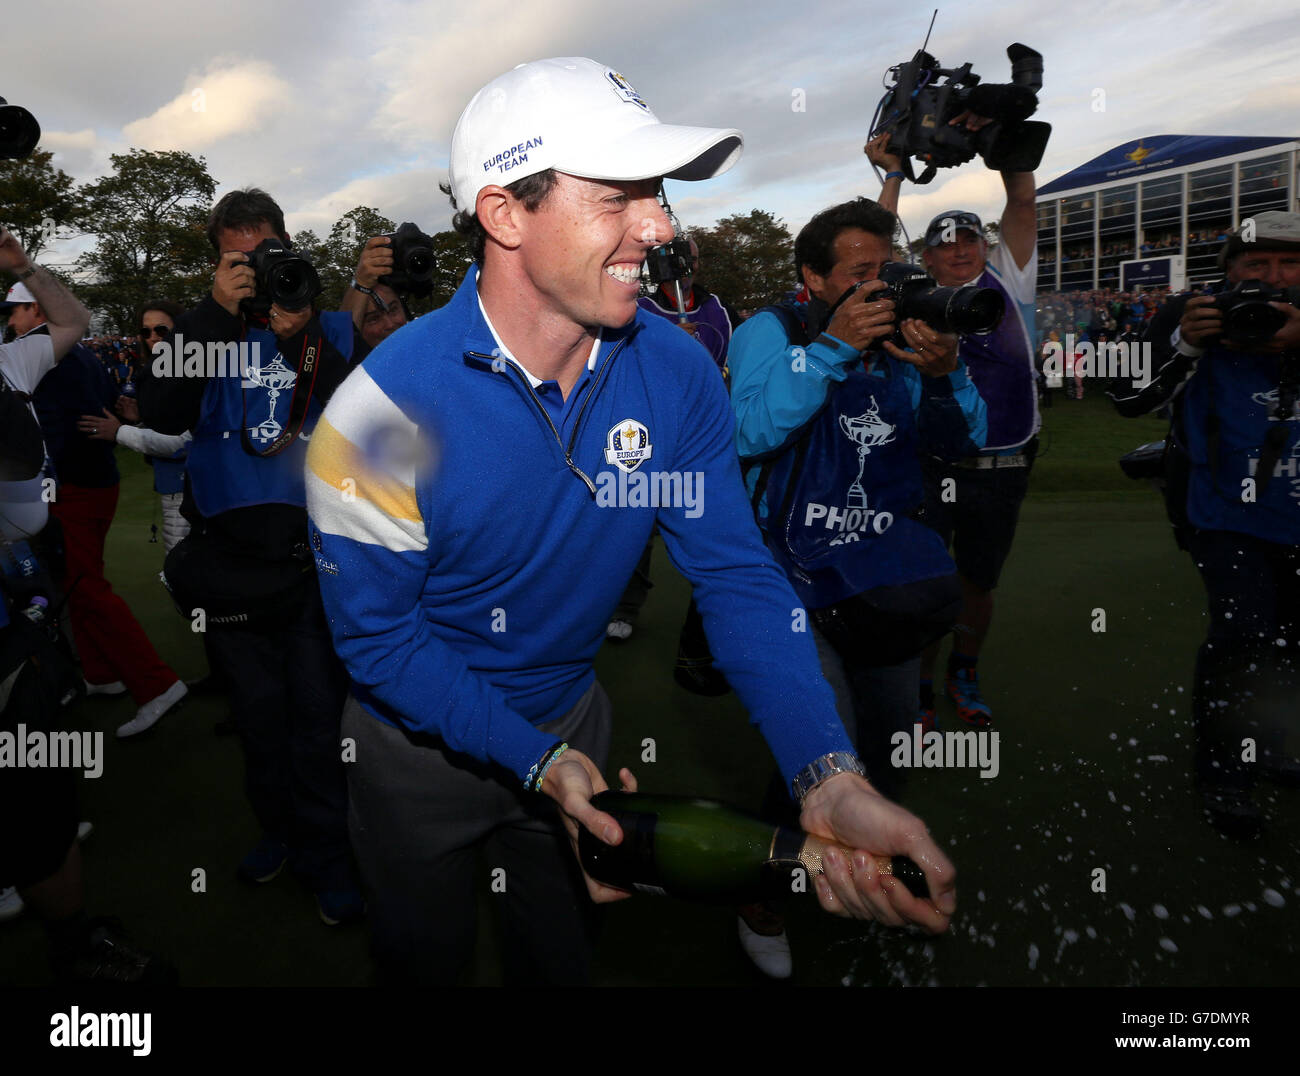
pixel 819 769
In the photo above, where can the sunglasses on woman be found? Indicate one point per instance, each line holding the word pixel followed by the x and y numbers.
pixel 162 331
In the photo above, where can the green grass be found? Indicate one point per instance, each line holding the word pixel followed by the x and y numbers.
pixel 1095 740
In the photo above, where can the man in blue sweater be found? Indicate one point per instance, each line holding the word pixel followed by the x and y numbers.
pixel 480 491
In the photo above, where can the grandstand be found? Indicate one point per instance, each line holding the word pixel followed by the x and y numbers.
pixel 1167 197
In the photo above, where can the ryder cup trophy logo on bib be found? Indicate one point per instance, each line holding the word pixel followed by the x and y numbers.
pixel 627 445
pixel 275 378
pixel 866 431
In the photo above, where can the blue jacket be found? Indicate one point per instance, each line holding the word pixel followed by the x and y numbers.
pixel 777 386
pixel 468 585
pixel 223 475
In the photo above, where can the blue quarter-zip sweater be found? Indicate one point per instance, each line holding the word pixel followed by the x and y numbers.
pixel 468 584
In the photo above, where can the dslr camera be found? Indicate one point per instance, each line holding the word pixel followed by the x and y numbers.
pixel 924 97
pixel 412 262
pixel 916 294
pixel 1247 317
pixel 284 278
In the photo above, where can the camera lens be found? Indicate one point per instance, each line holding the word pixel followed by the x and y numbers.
pixel 419 263
pixel 1252 322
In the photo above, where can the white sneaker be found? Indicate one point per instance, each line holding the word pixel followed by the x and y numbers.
pixel 115 688
pixel 769 952
pixel 148 714
pixel 84 830
pixel 619 630
pixel 11 904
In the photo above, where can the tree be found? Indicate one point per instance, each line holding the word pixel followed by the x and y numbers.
pixel 149 219
pixel 37 199
pixel 748 259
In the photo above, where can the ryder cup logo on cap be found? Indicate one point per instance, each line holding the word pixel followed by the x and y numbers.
pixel 577 116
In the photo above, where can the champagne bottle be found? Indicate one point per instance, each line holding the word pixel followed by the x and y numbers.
pixel 704 850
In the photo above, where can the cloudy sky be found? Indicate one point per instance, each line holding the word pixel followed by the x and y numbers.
pixel 330 105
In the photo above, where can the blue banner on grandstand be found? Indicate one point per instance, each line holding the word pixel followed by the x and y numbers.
pixel 1151 273
pixel 1155 155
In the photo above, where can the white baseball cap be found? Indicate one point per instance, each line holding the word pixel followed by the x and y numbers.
pixel 577 116
pixel 18 295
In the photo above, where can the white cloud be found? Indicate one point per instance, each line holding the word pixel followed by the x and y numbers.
pixel 230 97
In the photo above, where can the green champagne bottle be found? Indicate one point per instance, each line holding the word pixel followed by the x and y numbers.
pixel 703 850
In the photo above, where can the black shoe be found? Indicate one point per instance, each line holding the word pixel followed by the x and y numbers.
pixel 108 956
pixel 700 676
pixel 1232 812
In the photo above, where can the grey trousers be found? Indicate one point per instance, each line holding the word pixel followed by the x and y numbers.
pixel 420 815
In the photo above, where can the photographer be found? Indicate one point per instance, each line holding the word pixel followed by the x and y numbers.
pixel 795 367
pixel 980 520
pixel 246 562
pixel 377 310
pixel 1233 487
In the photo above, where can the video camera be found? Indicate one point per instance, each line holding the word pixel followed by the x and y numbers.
pixel 19 131
pixel 284 278
pixel 1247 317
pixel 915 294
pixel 669 262
pixel 917 108
pixel 412 262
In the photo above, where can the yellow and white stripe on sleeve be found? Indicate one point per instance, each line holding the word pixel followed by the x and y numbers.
pixel 361 469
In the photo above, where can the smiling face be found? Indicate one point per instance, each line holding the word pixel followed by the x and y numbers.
pixel 581 250
pixel 957 262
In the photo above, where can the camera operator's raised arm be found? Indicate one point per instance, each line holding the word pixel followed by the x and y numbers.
pixel 1019 226
pixel 878 153
pixel 65 317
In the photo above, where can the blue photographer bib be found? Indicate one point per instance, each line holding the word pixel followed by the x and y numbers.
pixel 256 403
pixel 1228 410
pixel 840 499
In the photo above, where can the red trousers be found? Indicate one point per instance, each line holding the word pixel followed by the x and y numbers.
pixel 110 641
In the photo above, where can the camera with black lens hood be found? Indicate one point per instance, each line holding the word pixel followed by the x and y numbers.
pixel 916 294
pixel 917 109
pixel 1248 320
pixel 284 278
pixel 413 262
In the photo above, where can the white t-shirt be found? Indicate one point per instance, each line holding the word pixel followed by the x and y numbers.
pixel 28 359
pixel 23 509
